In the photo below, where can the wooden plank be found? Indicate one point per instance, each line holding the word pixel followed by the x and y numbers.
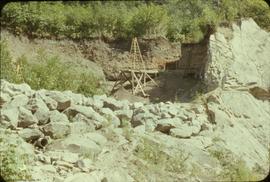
pixel 139 84
pixel 152 79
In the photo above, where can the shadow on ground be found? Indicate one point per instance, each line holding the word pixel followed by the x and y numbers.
pixel 174 87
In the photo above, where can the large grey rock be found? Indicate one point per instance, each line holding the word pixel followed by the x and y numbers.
pixel 36 103
pixel 88 112
pixel 184 132
pixel 119 175
pixel 9 117
pixel 80 144
pixel 56 116
pixel 69 157
pixel 81 127
pixel 15 89
pixel 112 104
pixel 96 137
pixel 4 98
pixel 51 103
pixel 18 100
pixel 30 134
pixel 142 118
pixel 75 98
pixel 63 101
pixel 26 118
pixel 84 177
pixel 241 60
pixel 56 129
pixel 110 116
pixel 124 115
pixel 85 164
pixel 42 115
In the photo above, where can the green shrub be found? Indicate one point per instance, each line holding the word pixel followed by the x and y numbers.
pixel 48 72
pixel 13 162
pixel 178 20
pixel 155 156
pixel 233 168
pixel 7 67
pixel 149 20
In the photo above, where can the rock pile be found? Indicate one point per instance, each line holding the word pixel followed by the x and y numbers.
pixel 71 135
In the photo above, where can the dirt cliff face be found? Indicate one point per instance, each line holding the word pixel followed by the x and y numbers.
pixel 113 56
pixel 110 56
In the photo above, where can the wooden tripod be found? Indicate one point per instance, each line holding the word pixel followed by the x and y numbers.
pixel 137 76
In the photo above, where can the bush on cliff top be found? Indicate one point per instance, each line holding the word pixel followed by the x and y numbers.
pixel 178 20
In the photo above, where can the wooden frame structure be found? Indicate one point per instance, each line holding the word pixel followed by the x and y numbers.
pixel 137 75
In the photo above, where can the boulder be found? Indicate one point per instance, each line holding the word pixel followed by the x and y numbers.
pixel 80 144
pixel 75 98
pixel 30 134
pixel 63 101
pixel 124 115
pixel 165 125
pixel 137 105
pixel 69 157
pixel 239 60
pixel 119 175
pixel 96 137
pixel 26 118
pixel 10 117
pixel 18 100
pixel 85 177
pixel 81 127
pixel 88 112
pixel 85 164
pixel 56 116
pixel 110 116
pixel 56 129
pixel 260 93
pixel 42 115
pixel 51 103
pixel 112 104
pixel 142 118
pixel 36 103
pixel 15 89
pixel 183 132
pixel 4 98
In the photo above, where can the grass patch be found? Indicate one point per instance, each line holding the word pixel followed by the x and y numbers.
pixel 153 153
pixel 47 72
pixel 14 164
pixel 233 168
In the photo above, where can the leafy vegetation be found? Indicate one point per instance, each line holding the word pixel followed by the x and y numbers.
pixel 154 155
pixel 178 20
pixel 13 162
pixel 51 74
pixel 233 169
